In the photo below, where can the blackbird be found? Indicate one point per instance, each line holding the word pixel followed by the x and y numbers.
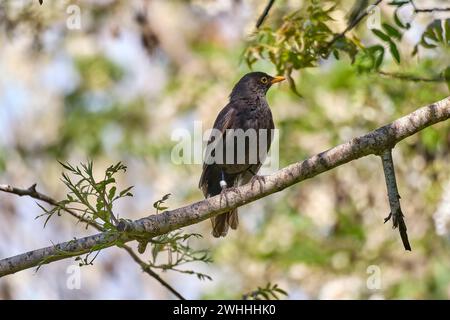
pixel 228 163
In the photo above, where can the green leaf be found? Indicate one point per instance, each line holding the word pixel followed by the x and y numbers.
pixel 103 214
pixel 125 192
pixel 398 22
pixel 378 54
pixel 142 246
pixel 427 45
pixel 434 35
pixel 365 61
pixel 67 166
pixel 166 197
pixel 391 31
pixel 156 249
pixel 379 60
pixel 112 193
pixel 88 168
pixel 100 204
pixel 399 3
pixel 380 34
pixel 280 291
pixel 157 204
pixel 394 51
pixel 447 31
pixel 336 54
pixel 264 294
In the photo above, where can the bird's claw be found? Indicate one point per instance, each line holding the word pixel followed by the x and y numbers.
pixel 388 217
pixel 224 191
pixel 261 180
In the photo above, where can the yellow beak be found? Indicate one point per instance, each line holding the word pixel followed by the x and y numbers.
pixel 277 79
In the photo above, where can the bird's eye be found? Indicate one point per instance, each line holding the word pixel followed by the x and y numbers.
pixel 264 80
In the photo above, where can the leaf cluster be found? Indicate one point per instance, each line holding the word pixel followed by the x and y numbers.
pixel 300 41
pixel 305 37
pixel 91 198
pixel 269 292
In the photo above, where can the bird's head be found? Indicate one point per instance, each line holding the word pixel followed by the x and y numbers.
pixel 254 84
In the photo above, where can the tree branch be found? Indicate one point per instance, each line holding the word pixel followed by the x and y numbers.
pixel 374 142
pixel 421 10
pixel 352 24
pixel 147 269
pixel 394 197
pixel 410 77
pixel 33 193
pixel 264 14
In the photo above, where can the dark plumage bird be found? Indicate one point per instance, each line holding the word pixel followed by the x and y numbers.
pixel 246 109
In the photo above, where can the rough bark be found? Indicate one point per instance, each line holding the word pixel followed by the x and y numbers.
pixel 394 197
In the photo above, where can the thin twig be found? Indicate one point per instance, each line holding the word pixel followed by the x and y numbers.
pixel 33 193
pixel 410 77
pixel 264 14
pixel 422 10
pixel 394 198
pixel 146 268
pixel 112 217
pixel 353 24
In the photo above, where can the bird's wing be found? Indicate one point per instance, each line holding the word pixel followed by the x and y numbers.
pixel 224 121
pixel 254 168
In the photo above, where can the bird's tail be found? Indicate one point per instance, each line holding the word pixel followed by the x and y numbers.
pixel 210 184
pixel 221 223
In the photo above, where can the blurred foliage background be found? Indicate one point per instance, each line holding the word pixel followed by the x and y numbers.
pixel 117 88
